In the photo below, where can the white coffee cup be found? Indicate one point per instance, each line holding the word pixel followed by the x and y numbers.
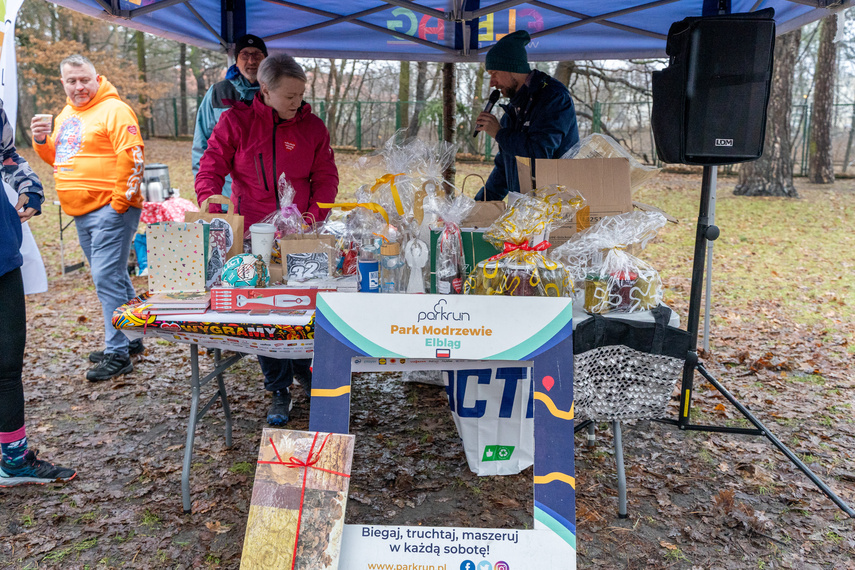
pixel 262 240
pixel 44 118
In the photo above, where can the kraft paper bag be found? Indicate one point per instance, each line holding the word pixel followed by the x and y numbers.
pixel 227 236
pixel 497 430
pixel 485 211
pixel 307 256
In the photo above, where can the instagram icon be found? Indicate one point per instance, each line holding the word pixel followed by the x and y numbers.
pixel 501 566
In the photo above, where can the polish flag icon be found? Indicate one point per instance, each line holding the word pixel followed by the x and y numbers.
pixel 443 353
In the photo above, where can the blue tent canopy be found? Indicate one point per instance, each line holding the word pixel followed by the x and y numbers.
pixel 434 30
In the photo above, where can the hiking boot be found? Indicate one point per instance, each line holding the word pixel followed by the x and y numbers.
pixel 134 347
pixel 280 408
pixel 113 365
pixel 33 471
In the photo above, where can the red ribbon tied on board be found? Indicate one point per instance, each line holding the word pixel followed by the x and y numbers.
pixel 295 463
pixel 509 247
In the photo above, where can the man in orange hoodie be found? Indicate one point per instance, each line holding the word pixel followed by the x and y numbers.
pixel 97 156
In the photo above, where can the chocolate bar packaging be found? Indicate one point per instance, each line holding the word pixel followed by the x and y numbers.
pixel 296 516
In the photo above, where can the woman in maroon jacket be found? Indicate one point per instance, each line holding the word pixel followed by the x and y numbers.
pixel 255 144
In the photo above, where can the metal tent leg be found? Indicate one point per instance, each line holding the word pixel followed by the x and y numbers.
pixel 191 427
pixel 227 412
pixel 621 474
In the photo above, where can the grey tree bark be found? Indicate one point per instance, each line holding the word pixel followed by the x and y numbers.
pixel 772 173
pixel 421 80
pixel 820 165
pixel 448 108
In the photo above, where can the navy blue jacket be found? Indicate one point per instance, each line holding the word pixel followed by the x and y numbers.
pixel 17 174
pixel 539 122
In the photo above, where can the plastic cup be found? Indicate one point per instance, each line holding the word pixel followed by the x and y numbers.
pixel 44 118
pixel 262 240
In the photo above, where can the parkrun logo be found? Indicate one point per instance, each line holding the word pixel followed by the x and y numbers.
pixel 491 27
pixel 440 314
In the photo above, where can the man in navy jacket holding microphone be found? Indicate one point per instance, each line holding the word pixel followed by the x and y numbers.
pixel 539 120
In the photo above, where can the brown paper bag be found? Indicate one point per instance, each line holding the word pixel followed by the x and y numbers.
pixel 305 256
pixel 485 211
pixel 230 240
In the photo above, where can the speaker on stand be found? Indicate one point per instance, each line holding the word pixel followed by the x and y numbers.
pixel 709 108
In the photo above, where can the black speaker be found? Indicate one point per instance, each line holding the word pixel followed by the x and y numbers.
pixel 709 104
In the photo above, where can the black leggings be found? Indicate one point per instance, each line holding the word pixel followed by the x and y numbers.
pixel 13 336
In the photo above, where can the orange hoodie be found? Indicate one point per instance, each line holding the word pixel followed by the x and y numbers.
pixel 96 152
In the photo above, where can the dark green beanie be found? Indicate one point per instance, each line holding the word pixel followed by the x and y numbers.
pixel 509 54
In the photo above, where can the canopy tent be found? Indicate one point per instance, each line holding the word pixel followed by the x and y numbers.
pixel 434 30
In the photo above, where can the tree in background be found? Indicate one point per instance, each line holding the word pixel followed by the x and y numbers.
pixel 820 165
pixel 772 173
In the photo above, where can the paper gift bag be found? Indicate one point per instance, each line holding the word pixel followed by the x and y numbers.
pixel 307 256
pixel 177 257
pixel 296 515
pixel 228 227
pixel 485 211
pixel 226 236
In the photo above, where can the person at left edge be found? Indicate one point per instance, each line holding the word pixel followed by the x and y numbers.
pixel 19 465
pixel 96 152
pixel 240 85
pixel 277 133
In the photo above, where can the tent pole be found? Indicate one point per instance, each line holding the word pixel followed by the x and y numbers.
pixel 448 132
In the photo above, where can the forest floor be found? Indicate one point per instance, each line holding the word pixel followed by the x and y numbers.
pixel 782 341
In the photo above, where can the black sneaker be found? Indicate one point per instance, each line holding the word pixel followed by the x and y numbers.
pixel 33 471
pixel 134 347
pixel 280 408
pixel 113 365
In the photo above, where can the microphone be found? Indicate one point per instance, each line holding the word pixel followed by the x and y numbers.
pixel 494 96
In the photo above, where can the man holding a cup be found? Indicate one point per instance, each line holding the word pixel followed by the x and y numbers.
pixel 96 152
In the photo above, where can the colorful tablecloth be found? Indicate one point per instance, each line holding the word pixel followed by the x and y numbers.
pixel 283 335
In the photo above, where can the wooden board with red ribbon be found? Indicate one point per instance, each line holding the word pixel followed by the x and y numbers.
pixel 296 516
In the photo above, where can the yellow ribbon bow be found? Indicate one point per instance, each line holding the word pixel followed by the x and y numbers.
pixel 390 178
pixel 351 205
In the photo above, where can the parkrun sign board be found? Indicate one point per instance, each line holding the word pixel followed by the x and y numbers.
pixel 445 326
pixel 431 330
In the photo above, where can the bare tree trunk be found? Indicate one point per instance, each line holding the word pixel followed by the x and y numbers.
pixel 139 37
pixel 330 111
pixel 421 79
pixel 772 173
pixel 198 72
pixel 182 89
pixel 820 165
pixel 448 105
pixel 477 106
pixel 404 94
pixel 564 72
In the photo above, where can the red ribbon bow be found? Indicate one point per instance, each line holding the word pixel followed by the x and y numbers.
pixel 509 247
pixel 295 463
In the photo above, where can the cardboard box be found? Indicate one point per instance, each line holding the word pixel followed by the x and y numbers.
pixel 604 182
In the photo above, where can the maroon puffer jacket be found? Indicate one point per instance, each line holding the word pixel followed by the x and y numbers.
pixel 252 144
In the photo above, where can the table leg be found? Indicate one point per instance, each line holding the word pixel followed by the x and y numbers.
pixel 621 474
pixel 191 427
pixel 224 399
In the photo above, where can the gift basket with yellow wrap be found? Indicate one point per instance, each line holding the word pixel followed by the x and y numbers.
pixel 523 268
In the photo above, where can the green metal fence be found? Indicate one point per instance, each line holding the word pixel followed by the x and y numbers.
pixel 366 125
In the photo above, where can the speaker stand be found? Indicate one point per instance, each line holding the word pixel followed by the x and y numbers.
pixel 707 232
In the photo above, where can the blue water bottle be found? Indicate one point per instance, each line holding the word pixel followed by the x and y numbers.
pixel 368 269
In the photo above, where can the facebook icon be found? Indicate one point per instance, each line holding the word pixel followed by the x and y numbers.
pixel 467 565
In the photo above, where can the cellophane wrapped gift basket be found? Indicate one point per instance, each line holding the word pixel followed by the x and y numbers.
pixel 523 268
pixel 609 278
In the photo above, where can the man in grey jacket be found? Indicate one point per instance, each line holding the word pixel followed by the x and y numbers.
pixel 240 84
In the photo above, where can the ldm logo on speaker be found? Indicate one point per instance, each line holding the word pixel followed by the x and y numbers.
pixel 723 142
